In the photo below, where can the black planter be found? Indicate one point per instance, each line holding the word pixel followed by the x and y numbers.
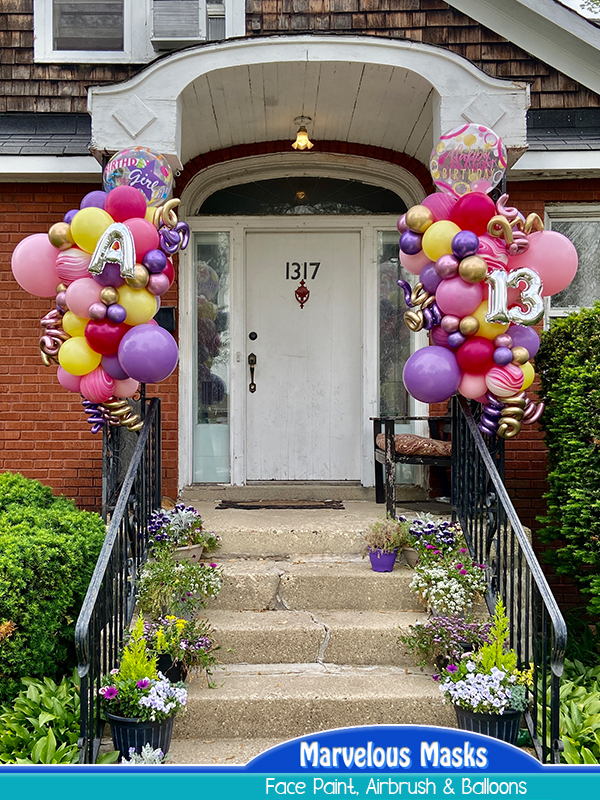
pixel 500 726
pixel 127 732
pixel 173 670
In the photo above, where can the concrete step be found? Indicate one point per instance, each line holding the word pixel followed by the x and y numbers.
pixel 338 583
pixel 338 637
pixel 208 752
pixel 290 700
pixel 294 490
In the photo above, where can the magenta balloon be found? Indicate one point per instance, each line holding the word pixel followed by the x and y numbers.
pixel 125 202
pixel 414 264
pixel 440 204
pixel 552 256
pixel 34 265
pixel 524 337
pixel 432 374
pixel 458 298
pixel 148 353
pixel 438 336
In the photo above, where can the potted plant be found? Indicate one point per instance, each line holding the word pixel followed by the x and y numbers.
pixel 448 583
pixel 138 702
pixel 444 640
pixel 426 534
pixel 180 645
pixel 180 530
pixel 168 586
pixel 488 692
pixel 382 539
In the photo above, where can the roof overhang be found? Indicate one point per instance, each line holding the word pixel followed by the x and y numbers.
pixel 366 89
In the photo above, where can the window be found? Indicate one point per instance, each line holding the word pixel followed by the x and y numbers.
pixel 129 31
pixel 580 224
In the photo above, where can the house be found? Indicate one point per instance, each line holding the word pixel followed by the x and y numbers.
pixel 289 284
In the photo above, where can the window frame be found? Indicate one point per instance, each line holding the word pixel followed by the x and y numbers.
pixel 566 212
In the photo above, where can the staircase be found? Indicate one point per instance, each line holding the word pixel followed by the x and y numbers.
pixel 308 636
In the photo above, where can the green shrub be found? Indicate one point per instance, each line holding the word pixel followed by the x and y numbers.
pixel 569 367
pixel 580 714
pixel 14 488
pixel 47 557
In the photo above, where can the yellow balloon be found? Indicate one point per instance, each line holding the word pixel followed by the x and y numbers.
pixel 150 212
pixel 77 357
pixel 73 325
pixel 88 225
pixel 437 239
pixel 489 330
pixel 139 304
pixel 529 374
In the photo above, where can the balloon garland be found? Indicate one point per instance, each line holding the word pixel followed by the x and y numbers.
pixel 483 270
pixel 107 264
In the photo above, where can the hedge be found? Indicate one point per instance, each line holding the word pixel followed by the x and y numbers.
pixel 569 366
pixel 48 551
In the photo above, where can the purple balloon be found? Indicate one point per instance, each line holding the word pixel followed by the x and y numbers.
pixel 110 364
pixel 110 276
pixel 116 313
pixel 446 266
pixel 502 356
pixel 431 375
pixel 68 217
pixel 95 199
pixel 401 224
pixel 456 339
pixel 465 243
pixel 410 243
pixel 429 278
pixel 154 261
pixel 523 336
pixel 148 353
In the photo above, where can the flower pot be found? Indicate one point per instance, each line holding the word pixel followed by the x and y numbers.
pixel 500 726
pixel 382 560
pixel 128 732
pixel 191 552
pixel 411 554
pixel 175 671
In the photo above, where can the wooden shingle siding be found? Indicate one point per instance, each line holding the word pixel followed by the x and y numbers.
pixel 29 87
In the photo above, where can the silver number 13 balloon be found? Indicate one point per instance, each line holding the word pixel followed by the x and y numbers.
pixel 531 296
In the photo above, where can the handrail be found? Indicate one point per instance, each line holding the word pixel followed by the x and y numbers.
pixel 110 599
pixel 496 537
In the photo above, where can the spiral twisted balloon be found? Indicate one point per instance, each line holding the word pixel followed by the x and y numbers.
pixel 53 336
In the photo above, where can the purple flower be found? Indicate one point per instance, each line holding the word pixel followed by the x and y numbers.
pixel 459 566
pixel 462 572
pixel 435 677
pixel 109 692
pixel 212 564
pixel 463 550
pixel 452 668
pixel 143 683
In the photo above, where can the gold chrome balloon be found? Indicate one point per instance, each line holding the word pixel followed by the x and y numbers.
pixel 60 236
pixel 109 295
pixel 165 214
pixel 123 411
pixel 61 287
pixel 468 326
pixel 473 269
pixel 419 218
pixel 509 428
pixel 140 278
pixel 414 320
pixel 520 355
pixel 500 228
pixel 533 223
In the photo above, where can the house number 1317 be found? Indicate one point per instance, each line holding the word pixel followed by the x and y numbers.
pixel 294 270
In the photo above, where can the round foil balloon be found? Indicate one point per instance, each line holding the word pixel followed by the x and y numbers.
pixel 142 169
pixel 470 158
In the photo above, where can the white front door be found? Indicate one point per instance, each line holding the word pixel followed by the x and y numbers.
pixel 304 419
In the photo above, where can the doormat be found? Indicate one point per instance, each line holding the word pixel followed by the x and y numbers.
pixel 249 505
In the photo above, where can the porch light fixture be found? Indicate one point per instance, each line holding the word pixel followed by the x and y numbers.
pixel 302 141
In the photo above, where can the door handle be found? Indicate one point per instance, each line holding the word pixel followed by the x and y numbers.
pixel 252 363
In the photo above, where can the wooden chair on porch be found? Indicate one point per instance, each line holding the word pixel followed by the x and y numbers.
pixel 393 448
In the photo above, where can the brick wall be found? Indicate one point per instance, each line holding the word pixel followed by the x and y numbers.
pixel 43 429
pixel 29 87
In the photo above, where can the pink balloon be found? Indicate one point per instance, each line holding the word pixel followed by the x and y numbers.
pixel 126 388
pixel 81 294
pixel 457 297
pixel 145 236
pixel 97 386
pixel 158 283
pixel 34 265
pixel 438 336
pixel 552 256
pixel 493 250
pixel 72 264
pixel 440 204
pixel 473 386
pixel 68 381
pixel 414 264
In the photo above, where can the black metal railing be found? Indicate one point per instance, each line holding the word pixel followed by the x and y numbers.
pixel 497 538
pixel 110 600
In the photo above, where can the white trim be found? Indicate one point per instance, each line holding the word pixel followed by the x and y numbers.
pixel 548 30
pixel 235 18
pixel 556 164
pixel 62 169
pixel 458 86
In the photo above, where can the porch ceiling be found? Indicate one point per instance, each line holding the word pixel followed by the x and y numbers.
pixel 371 104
